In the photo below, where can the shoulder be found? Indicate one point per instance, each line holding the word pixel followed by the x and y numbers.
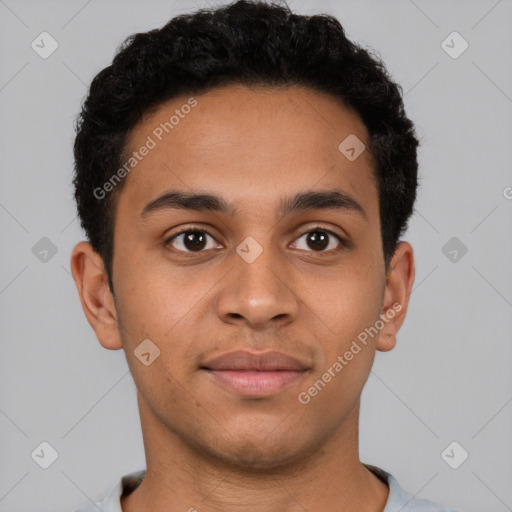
pixel 400 500
pixel 112 502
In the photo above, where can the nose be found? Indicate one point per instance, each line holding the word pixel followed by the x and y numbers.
pixel 260 293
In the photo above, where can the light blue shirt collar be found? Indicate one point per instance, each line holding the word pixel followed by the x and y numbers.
pixel 398 499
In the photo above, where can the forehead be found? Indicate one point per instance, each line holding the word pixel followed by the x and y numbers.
pixel 250 143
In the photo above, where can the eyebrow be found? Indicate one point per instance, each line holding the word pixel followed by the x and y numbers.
pixel 332 199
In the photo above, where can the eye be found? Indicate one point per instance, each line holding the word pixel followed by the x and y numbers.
pixel 197 240
pixel 319 240
pixel 192 240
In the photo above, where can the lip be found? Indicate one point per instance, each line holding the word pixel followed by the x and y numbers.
pixel 250 374
pixel 259 361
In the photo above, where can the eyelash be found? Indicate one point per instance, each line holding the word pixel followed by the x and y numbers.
pixel 343 243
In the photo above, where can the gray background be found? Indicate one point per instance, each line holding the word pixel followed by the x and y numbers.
pixel 449 377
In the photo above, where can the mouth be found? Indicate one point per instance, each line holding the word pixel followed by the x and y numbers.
pixel 254 383
pixel 255 375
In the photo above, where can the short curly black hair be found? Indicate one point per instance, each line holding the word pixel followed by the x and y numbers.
pixel 246 43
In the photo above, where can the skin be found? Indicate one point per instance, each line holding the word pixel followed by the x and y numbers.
pixel 207 448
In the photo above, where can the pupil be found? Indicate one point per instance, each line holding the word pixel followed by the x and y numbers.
pixel 194 240
pixel 318 240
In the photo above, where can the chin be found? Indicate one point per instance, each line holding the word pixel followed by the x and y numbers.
pixel 250 457
pixel 260 455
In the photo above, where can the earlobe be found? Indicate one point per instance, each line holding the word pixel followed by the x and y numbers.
pixel 97 301
pixel 400 280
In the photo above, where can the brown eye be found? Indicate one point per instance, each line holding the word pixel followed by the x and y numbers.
pixel 319 240
pixel 194 240
pixel 191 240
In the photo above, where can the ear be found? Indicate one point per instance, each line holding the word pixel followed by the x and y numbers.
pixel 97 300
pixel 399 281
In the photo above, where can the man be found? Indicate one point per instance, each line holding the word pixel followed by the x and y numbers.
pixel 243 176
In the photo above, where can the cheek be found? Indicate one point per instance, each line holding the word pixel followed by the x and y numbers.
pixel 163 305
pixel 154 298
pixel 345 303
pixel 344 310
pixel 156 334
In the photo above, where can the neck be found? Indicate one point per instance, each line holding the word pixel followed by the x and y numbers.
pixel 181 477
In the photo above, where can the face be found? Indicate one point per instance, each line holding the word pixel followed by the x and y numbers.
pixel 282 252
